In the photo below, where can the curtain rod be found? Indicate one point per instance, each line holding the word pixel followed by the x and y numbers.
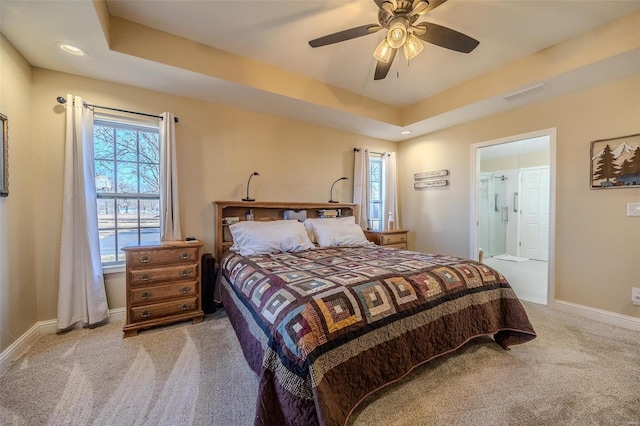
pixel 373 152
pixel 62 100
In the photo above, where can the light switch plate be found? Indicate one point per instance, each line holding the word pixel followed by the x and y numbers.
pixel 633 209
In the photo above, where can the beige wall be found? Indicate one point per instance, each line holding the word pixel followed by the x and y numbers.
pixel 218 148
pixel 597 246
pixel 17 278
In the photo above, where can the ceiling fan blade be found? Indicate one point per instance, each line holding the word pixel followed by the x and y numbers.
pixel 433 4
pixel 345 35
pixel 382 68
pixel 448 38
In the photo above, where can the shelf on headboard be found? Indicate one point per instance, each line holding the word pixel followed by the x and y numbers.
pixel 267 210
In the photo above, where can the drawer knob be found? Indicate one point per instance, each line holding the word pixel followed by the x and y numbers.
pixel 145 314
pixel 146 295
pixel 402 239
pixel 185 290
pixel 185 255
pixel 185 307
pixel 145 259
pixel 185 273
pixel 145 277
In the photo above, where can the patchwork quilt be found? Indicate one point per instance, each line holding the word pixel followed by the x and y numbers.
pixel 324 328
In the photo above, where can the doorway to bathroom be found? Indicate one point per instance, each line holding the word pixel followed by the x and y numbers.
pixel 512 219
pixel 513 215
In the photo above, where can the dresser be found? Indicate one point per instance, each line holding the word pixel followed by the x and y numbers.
pixel 396 238
pixel 163 284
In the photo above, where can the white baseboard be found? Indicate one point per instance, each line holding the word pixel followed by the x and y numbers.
pixel 118 314
pixel 20 346
pixel 619 320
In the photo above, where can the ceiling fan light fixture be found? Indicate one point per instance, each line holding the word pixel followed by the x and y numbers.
pixel 383 51
pixel 397 34
pixel 412 47
pixel 398 18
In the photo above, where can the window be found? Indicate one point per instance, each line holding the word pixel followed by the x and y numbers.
pixel 127 168
pixel 376 177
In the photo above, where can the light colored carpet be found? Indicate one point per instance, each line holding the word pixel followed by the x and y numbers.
pixel 577 372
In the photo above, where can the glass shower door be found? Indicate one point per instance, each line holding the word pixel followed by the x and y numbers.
pixel 493 214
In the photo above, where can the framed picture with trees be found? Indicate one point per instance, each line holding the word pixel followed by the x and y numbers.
pixel 4 156
pixel 615 162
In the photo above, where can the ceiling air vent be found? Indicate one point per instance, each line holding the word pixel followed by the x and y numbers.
pixel 525 92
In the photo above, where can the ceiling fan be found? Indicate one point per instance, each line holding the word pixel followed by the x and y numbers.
pixel 399 18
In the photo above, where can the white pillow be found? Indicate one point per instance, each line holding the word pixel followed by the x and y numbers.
pixel 251 238
pixel 340 234
pixel 308 224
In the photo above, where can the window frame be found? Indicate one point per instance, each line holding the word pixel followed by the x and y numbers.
pixel 138 126
pixel 377 223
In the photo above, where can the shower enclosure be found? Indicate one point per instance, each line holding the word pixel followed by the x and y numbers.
pixel 497 214
pixel 492 227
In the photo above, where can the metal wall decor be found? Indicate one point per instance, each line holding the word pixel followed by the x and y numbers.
pixel 428 179
pixel 431 174
pixel 615 162
pixel 430 183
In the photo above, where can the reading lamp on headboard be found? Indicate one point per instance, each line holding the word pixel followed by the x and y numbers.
pixel 331 200
pixel 248 182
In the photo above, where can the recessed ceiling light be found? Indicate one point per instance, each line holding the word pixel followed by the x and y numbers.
pixel 405 132
pixel 71 49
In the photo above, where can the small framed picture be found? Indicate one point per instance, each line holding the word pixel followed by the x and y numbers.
pixel 4 157
pixel 615 162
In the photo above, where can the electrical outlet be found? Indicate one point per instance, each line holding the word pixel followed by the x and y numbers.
pixel 635 295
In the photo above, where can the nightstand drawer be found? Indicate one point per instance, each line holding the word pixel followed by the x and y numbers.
pixel 394 239
pixel 167 273
pixel 159 310
pixel 158 293
pixel 401 246
pixel 162 257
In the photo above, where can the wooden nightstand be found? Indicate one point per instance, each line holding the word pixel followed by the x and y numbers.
pixel 396 238
pixel 163 284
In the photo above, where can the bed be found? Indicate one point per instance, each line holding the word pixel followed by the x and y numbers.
pixel 326 322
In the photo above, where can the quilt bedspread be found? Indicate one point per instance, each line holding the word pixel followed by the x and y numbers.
pixel 324 328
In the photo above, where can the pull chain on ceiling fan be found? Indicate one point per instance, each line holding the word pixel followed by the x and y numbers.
pixel 399 18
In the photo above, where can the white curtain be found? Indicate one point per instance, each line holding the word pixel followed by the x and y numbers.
pixel 391 189
pixel 361 185
pixel 169 208
pixel 81 293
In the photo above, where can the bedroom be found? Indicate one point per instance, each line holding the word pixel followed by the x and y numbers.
pixel 596 245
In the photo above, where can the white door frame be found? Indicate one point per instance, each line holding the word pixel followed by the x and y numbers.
pixel 474 202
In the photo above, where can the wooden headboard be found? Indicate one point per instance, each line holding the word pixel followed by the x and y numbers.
pixel 266 210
